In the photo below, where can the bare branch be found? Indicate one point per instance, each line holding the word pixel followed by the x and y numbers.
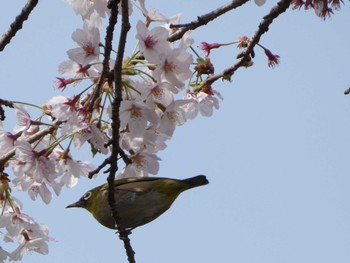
pixel 6 103
pixel 106 57
pixel 17 24
pixel 204 19
pixel 244 57
pixel 99 168
pixel 125 27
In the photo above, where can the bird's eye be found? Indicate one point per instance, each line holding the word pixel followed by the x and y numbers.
pixel 86 196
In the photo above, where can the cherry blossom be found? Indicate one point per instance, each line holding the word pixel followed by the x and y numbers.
pixel 88 39
pixel 152 15
pixel 38 245
pixel 62 108
pixel 86 7
pixel 34 171
pixel 92 134
pixel 173 116
pixel 151 109
pixel 143 164
pixel 161 94
pixel 152 43
pixel 174 67
pixel 75 69
pixel 136 116
pixel 23 229
pixel 70 169
pixel 162 88
pixel 23 118
pixel 6 141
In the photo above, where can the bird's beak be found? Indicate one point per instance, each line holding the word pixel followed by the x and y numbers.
pixel 76 204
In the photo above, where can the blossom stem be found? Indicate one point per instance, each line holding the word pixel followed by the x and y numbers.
pixel 244 57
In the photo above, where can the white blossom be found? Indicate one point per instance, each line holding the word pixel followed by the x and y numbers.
pixel 136 116
pixel 23 118
pixel 88 39
pixel 143 164
pixel 174 67
pixel 152 43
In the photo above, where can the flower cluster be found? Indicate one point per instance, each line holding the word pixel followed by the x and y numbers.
pixel 19 227
pixel 158 95
pixel 323 8
pixel 154 77
pixel 162 87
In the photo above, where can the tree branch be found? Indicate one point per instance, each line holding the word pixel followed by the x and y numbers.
pixel 6 103
pixel 17 24
pixel 204 19
pixel 244 57
pixel 99 168
pixel 106 57
pixel 125 27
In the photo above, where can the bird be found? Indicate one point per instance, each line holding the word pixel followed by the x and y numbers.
pixel 138 200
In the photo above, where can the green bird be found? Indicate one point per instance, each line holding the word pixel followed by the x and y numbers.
pixel 139 200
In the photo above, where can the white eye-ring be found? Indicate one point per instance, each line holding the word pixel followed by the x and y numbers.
pixel 86 196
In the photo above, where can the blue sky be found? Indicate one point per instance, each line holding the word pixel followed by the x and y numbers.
pixel 276 152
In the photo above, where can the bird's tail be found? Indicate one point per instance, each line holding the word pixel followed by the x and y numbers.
pixel 196 181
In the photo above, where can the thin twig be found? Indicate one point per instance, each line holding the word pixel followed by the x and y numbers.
pixel 99 168
pixel 204 19
pixel 244 57
pixel 106 59
pixel 17 24
pixel 115 125
pixel 6 103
